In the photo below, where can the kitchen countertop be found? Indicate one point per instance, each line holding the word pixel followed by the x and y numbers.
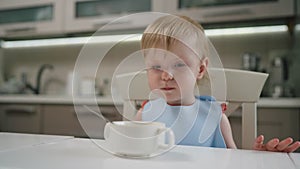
pixel 279 102
pixel 63 99
pixel 57 99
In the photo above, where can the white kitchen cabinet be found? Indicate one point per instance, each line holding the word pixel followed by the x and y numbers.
pixel 207 11
pixel 107 15
pixel 59 17
pixel 64 120
pixel 20 118
pixel 31 17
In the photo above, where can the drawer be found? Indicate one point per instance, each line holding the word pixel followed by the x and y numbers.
pixel 20 118
pixel 81 121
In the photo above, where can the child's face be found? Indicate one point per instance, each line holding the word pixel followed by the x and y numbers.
pixel 173 73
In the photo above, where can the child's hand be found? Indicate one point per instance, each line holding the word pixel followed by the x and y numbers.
pixel 285 145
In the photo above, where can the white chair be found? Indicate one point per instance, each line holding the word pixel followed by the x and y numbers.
pixel 242 88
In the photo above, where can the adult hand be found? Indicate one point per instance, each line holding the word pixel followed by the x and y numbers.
pixel 276 145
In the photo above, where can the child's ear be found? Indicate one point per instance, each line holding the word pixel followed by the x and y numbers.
pixel 202 68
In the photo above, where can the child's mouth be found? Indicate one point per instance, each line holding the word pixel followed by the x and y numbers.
pixel 167 88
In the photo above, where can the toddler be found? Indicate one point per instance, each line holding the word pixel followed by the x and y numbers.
pixel 176 53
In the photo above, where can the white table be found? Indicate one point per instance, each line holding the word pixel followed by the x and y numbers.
pixel 12 141
pixel 84 153
pixel 296 159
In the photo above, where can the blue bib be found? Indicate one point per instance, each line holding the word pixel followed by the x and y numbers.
pixel 196 125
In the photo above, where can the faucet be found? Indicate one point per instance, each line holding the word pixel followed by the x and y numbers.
pixel 37 88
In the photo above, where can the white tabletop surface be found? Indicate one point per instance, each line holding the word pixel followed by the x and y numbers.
pixel 296 159
pixel 84 153
pixel 12 141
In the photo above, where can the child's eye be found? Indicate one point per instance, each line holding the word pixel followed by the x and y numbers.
pixel 180 65
pixel 156 67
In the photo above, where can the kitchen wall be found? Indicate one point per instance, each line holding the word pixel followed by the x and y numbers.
pixel 230 49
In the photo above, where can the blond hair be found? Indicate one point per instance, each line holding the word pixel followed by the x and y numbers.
pixel 169 29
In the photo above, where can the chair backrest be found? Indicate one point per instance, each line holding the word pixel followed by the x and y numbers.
pixel 236 88
pixel 240 87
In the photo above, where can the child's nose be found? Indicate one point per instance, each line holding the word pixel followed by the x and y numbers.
pixel 166 75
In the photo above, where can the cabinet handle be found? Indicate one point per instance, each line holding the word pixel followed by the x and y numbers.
pixel 20 30
pixel 20 110
pixel 87 113
pixel 98 24
pixel 237 12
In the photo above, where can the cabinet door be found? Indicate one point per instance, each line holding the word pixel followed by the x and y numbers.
pixel 271 122
pixel 61 120
pixel 31 17
pixel 81 121
pixel 278 122
pixel 93 118
pixel 20 118
pixel 91 15
pixel 213 11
